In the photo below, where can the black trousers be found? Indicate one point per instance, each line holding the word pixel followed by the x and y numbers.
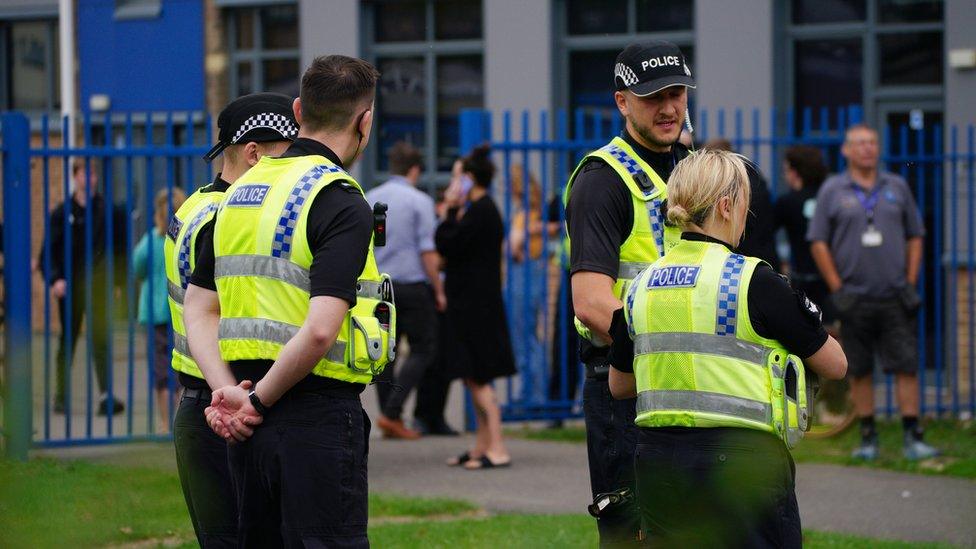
pixel 301 477
pixel 717 487
pixel 435 385
pixel 201 458
pixel 417 320
pixel 611 437
pixel 98 326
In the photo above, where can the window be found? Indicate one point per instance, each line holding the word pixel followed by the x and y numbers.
pixel 137 9
pixel 263 46
pixel 594 32
pixel 30 63
pixel 429 54
pixel 862 52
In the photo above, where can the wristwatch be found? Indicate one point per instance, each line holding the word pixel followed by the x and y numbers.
pixel 256 402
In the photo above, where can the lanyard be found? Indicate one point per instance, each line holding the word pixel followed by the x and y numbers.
pixel 868 202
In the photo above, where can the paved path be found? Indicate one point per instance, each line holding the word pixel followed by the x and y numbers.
pixel 550 477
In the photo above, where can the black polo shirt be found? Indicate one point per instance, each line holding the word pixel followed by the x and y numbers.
pixel 339 228
pixel 600 216
pixel 776 311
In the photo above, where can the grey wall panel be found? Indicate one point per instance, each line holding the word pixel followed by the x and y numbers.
pixel 328 28
pixel 518 59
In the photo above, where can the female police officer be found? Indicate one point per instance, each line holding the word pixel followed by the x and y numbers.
pixel 714 357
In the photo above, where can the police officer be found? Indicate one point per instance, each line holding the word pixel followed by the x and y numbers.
pixel 287 292
pixel 250 127
pixel 714 347
pixel 616 228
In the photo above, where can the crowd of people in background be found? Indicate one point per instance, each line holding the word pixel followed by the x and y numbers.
pixel 447 268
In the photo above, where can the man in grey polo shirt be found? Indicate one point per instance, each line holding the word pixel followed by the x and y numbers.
pixel 866 239
pixel 411 260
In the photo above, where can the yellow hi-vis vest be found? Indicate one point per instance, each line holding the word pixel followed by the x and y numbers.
pixel 179 251
pixel 649 237
pixel 262 272
pixel 698 362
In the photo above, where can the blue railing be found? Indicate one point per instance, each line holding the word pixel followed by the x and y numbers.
pixel 940 176
pixel 129 157
pixel 134 156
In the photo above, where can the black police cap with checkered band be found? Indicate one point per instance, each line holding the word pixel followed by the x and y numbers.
pixel 258 117
pixel 647 67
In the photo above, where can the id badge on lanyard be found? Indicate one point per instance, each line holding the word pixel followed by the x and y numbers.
pixel 871 237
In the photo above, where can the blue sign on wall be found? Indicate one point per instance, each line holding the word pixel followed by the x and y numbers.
pixel 153 63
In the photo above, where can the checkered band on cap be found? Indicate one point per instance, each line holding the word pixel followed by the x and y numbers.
pixel 728 295
pixel 269 120
pixel 285 229
pixel 626 74
pixel 183 258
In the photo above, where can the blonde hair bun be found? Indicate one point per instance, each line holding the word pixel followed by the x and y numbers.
pixel 699 181
pixel 678 215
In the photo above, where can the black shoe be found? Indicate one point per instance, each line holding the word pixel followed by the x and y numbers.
pixel 437 428
pixel 555 424
pixel 116 404
pixel 58 406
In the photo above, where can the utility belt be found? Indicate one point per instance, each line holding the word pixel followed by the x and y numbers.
pixel 600 372
pixel 199 395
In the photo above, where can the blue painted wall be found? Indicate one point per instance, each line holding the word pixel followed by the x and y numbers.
pixel 151 64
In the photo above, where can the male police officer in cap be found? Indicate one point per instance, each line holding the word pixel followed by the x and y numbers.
pixel 301 311
pixel 249 127
pixel 616 228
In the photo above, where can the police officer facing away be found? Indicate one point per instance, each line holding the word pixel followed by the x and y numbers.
pixel 250 127
pixel 287 292
pixel 714 348
pixel 616 228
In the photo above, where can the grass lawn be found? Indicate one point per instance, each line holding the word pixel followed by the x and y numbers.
pixel 956 440
pixel 49 503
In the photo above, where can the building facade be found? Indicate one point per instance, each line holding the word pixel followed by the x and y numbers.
pixel 439 56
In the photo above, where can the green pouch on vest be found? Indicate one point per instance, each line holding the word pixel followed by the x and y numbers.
pixel 366 342
pixel 775 367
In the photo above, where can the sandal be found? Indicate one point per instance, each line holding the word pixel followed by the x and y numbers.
pixel 459 460
pixel 484 462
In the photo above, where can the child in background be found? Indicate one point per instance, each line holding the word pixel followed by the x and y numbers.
pixel 154 309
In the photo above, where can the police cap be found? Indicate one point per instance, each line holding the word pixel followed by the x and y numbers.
pixel 257 117
pixel 649 66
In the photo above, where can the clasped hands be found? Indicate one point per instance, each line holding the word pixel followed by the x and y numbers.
pixel 231 414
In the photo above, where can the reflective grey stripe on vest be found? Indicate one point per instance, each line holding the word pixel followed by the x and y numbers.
pixel 264 266
pixel 176 293
pixel 270 330
pixel 706 402
pixel 180 344
pixel 629 270
pixel 709 344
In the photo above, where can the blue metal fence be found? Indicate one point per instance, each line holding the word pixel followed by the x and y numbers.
pixel 941 178
pixel 124 159
pixel 133 156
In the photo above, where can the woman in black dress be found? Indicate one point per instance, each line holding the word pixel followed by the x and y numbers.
pixel 470 240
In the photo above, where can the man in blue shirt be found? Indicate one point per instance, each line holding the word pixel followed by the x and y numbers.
pixel 411 260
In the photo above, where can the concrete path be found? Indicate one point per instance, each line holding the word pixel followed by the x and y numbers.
pixel 551 477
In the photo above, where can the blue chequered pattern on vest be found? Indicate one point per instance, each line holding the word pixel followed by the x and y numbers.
pixel 285 229
pixel 728 294
pixel 183 258
pixel 653 206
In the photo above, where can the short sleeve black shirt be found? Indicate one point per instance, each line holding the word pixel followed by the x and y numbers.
pixel 600 216
pixel 777 311
pixel 339 229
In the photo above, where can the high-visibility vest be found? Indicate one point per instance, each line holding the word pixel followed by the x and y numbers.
pixel 179 251
pixel 262 260
pixel 649 237
pixel 698 361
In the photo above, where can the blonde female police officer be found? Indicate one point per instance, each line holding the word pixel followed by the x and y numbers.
pixel 714 344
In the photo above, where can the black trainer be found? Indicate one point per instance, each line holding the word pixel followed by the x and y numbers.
pixel 116 404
